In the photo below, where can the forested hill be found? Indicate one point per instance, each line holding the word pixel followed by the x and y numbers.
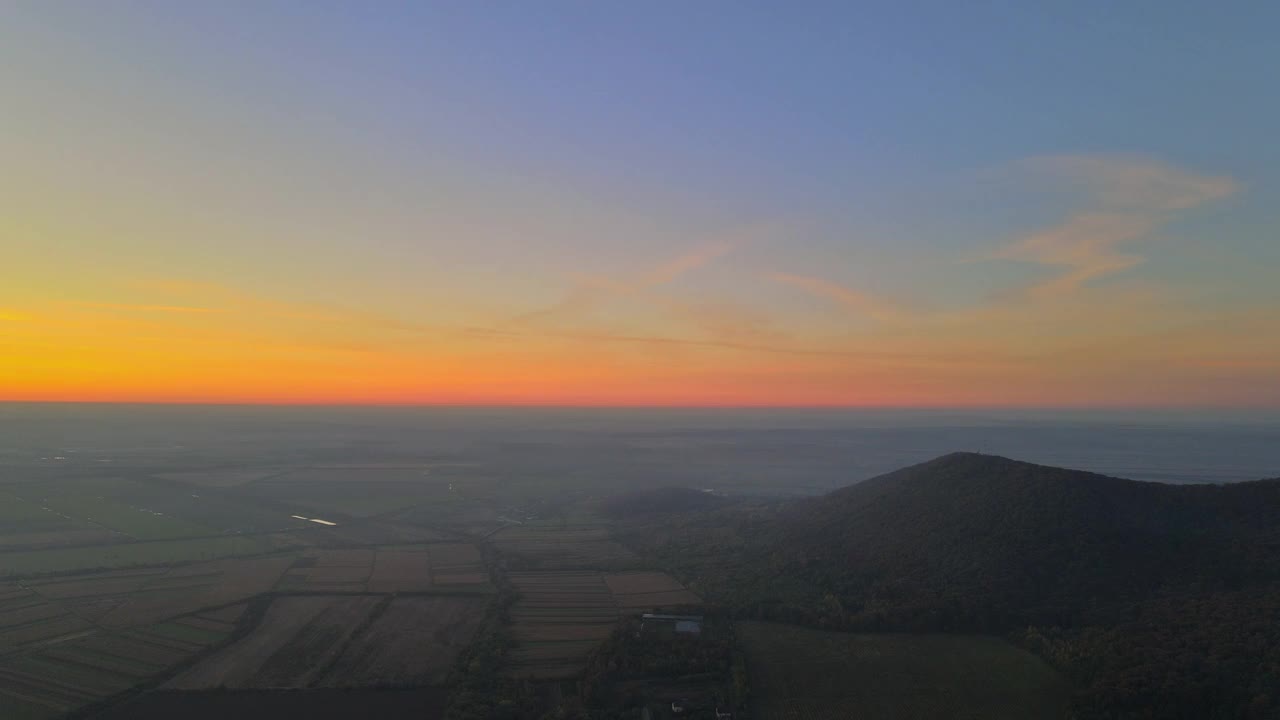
pixel 985 542
pixel 1159 601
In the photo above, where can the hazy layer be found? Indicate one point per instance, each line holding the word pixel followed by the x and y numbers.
pixel 756 451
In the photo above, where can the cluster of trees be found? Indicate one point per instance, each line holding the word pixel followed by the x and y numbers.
pixel 638 663
pixel 1207 657
pixel 477 688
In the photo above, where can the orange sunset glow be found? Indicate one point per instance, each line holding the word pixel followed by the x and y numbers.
pixel 223 225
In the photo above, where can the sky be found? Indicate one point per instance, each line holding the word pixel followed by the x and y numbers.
pixel 930 204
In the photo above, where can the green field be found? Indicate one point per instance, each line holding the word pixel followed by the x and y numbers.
pixel 801 673
pixel 138 523
pixel 39 562
pixel 15 512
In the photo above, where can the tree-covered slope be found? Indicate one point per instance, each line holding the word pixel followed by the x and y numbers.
pixel 982 541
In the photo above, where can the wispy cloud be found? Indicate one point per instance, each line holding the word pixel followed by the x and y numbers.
pixel 1085 245
pixel 857 301
pixel 1126 182
pixel 591 291
pixel 1128 200
pixel 676 267
pixel 892 357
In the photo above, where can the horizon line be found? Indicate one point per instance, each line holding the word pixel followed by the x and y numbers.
pixel 536 405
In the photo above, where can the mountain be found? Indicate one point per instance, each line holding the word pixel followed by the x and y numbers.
pixel 985 542
pixel 1158 601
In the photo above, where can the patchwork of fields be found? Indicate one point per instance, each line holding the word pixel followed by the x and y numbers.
pixel 343 641
pixel 436 567
pixel 71 640
pixel 137 554
pixel 93 666
pixel 561 616
pixel 213 583
pixel 564 547
pixel 81 512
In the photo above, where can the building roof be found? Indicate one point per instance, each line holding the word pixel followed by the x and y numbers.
pixel 688 626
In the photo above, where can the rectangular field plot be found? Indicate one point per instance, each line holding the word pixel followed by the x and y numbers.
pixel 58 678
pixel 446 567
pixel 138 554
pixel 26 618
pixel 560 617
pixel 801 673
pixel 636 583
pixel 196 588
pixel 462 557
pixel 298 638
pixel 401 571
pixel 414 642
pixel 45 630
pixel 458 567
pixel 94 585
pixel 649 591
pixel 461 581
pixel 329 571
pixel 563 547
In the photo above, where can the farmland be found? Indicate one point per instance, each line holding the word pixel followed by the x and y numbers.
pixel 93 666
pixel 434 567
pixel 295 641
pixel 137 554
pixel 648 590
pixel 801 673
pixel 563 547
pixel 342 641
pixel 29 524
pixel 26 618
pixel 193 587
pixel 118 582
pixel 323 704
pixel 561 616
pixel 413 642
pixel 214 580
